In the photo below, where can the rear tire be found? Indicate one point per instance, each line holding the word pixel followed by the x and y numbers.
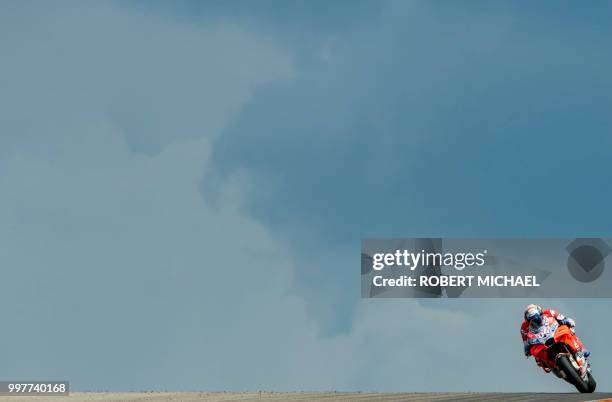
pixel 573 377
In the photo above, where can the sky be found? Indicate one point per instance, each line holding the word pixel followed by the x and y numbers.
pixel 184 186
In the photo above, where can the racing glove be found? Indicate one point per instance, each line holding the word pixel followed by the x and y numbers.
pixel 563 320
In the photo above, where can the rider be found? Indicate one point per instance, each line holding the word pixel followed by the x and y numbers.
pixel 535 319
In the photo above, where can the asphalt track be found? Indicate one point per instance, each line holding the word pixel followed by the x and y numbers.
pixel 326 397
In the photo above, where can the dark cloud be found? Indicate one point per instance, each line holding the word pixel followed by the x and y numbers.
pixel 428 120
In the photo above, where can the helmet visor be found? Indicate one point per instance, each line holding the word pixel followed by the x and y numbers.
pixel 535 320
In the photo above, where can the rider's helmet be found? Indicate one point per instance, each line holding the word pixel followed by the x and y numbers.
pixel 533 315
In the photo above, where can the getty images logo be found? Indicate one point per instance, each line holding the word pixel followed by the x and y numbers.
pixel 586 260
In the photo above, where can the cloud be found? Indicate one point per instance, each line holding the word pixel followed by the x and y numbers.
pixel 130 279
pixel 430 118
pixel 158 79
pixel 427 120
pixel 120 274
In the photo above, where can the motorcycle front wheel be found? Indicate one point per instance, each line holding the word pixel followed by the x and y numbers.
pixel 573 377
pixel 592 384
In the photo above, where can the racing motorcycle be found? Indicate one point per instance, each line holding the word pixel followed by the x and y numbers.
pixel 555 351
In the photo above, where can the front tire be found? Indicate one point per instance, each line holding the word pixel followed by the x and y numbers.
pixel 572 375
pixel 592 384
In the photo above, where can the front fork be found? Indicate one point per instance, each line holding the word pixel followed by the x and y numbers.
pixel 578 350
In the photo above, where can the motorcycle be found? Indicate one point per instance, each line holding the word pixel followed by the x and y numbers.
pixel 556 351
